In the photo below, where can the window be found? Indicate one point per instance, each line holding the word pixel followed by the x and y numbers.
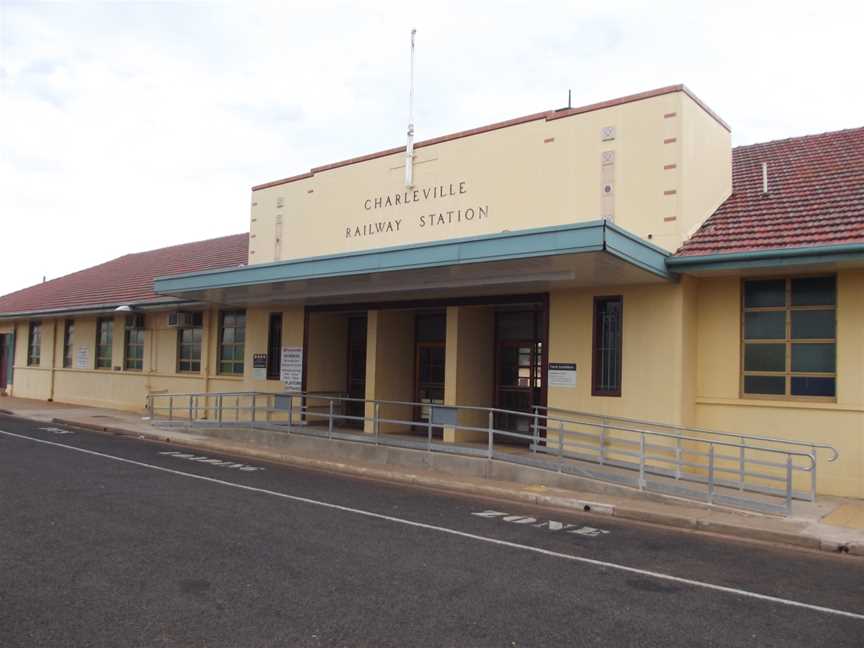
pixel 789 337
pixel 104 342
pixel 68 333
pixel 189 345
pixel 274 346
pixel 232 338
pixel 133 344
pixel 34 344
pixel 606 365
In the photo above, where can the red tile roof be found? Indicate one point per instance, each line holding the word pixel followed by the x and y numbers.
pixel 815 197
pixel 128 279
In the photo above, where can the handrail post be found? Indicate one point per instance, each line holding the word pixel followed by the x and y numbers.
pixel 491 434
pixel 219 410
pixel 170 408
pixel 290 411
pixel 642 482
pixel 376 422
pixel 678 458
pixel 330 420
pixel 560 446
pixel 429 432
pixel 813 474
pixel 603 429
pixel 788 483
pixel 254 403
pixel 190 409
pixel 536 430
pixel 741 470
pixel 710 473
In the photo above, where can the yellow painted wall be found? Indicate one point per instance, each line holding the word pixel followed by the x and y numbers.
pixel 327 353
pixel 551 168
pixel 469 367
pixel 390 366
pixel 719 405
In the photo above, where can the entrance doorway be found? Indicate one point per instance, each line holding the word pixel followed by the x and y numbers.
pixel 356 370
pixel 4 361
pixel 430 333
pixel 518 368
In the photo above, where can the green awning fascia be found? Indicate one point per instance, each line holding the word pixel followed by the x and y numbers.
pixel 779 258
pixel 592 236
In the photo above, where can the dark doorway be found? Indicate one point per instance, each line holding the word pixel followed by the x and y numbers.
pixel 430 333
pixel 356 386
pixel 518 368
pixel 274 347
pixel 4 361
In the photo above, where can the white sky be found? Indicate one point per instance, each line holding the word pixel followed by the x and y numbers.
pixel 126 126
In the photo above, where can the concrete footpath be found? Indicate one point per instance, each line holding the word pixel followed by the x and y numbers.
pixel 830 524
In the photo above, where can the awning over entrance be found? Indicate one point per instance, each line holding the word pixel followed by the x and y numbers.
pixel 579 255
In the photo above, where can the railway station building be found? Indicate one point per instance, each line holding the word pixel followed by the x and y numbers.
pixel 620 258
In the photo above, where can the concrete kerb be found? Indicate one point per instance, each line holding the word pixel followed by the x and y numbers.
pixel 517 492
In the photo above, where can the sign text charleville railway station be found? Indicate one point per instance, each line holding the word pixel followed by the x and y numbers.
pixel 419 195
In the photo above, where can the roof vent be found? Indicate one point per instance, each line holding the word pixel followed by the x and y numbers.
pixel 764 178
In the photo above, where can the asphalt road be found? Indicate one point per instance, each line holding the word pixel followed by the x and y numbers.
pixel 107 541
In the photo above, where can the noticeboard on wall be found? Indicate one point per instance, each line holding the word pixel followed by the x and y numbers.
pixel 291 368
pixel 562 374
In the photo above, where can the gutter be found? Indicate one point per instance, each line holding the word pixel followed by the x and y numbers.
pixel 100 309
pixel 777 258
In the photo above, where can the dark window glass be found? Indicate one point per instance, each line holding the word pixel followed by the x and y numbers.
pixel 431 327
pixel 808 304
pixel 607 356
pixel 765 325
pixel 765 357
pixel 232 338
pixel 34 344
pixel 763 293
pixel 274 346
pixel 813 324
pixel 773 385
pixel 516 325
pixel 134 343
pixel 189 345
pixel 68 334
pixel 814 291
pixel 813 357
pixel 813 386
pixel 104 342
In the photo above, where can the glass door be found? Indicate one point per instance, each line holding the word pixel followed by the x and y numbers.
pixel 356 386
pixel 518 370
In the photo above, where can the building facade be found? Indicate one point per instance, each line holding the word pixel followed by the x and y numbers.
pixel 618 259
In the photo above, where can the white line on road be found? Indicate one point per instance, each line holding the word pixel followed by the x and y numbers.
pixel 461 534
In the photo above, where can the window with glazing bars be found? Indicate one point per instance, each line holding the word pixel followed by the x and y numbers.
pixel 789 337
pixel 68 332
pixel 232 339
pixel 134 343
pixel 34 344
pixel 606 368
pixel 189 345
pixel 104 342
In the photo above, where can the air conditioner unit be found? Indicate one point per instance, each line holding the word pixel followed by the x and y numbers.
pixel 179 319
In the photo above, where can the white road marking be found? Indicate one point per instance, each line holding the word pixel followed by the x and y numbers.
pixel 56 430
pixel 551 525
pixel 209 460
pixel 461 534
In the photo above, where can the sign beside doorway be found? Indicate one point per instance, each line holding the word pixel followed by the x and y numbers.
pixel 291 368
pixel 562 374
pixel 259 366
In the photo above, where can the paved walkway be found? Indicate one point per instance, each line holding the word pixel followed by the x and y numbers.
pixel 830 523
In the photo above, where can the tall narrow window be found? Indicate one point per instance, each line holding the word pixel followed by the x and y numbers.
pixel 133 344
pixel 274 346
pixel 232 339
pixel 68 333
pixel 606 369
pixel 789 337
pixel 189 343
pixel 104 342
pixel 34 344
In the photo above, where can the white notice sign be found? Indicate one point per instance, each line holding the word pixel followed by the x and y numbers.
pixel 82 358
pixel 291 368
pixel 562 374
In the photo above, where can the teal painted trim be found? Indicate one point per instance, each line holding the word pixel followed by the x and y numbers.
pixel 591 236
pixel 782 258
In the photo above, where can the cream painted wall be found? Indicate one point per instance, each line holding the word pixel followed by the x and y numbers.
pixel 327 353
pixel 469 367
pixel 720 406
pixel 530 175
pixel 390 365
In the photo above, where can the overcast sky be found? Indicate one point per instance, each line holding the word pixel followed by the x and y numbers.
pixel 126 126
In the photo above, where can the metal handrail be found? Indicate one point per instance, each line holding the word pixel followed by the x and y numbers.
pixel 686 464
pixel 756 437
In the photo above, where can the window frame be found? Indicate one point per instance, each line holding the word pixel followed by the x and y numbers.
pixel 97 358
pixel 596 351
pixel 274 352
pixel 788 341
pixel 134 323
pixel 34 359
pixel 199 326
pixel 234 345
pixel 68 347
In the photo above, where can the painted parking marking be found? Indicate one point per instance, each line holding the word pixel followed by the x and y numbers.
pixel 211 461
pixel 56 430
pixel 550 525
pixel 776 600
